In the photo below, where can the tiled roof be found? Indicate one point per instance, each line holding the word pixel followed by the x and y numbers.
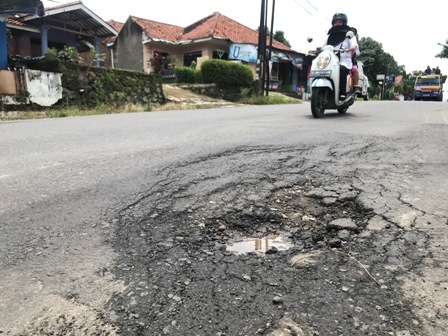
pixel 158 30
pixel 115 25
pixel 14 22
pixel 220 26
pixel 215 25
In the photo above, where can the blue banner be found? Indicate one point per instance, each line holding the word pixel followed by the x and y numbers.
pixel 243 52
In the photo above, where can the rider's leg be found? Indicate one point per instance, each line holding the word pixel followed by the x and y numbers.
pixel 355 77
pixel 343 81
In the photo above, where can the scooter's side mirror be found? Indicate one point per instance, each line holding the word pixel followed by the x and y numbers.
pixel 309 39
pixel 349 34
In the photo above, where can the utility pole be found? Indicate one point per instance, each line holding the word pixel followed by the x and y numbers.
pixel 261 48
pixel 270 49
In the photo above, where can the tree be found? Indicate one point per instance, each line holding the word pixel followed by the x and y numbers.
pixel 376 60
pixel 279 36
pixel 444 52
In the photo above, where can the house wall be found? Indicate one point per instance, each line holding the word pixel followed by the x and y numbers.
pixel 62 37
pixel 25 43
pixel 128 49
pixel 179 51
pixel 19 44
pixel 253 67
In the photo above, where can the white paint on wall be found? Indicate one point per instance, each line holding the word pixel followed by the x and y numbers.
pixel 45 88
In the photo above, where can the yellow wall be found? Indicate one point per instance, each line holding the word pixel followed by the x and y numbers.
pixel 179 51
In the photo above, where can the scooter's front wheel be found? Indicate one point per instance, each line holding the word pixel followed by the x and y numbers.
pixel 318 102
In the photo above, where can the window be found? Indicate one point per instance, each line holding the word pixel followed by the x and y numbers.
pixel 220 54
pixel 190 57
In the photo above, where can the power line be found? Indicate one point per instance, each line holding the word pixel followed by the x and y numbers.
pixel 321 17
pixel 303 7
pixel 318 11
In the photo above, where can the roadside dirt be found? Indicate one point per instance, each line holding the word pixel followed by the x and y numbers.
pixel 183 99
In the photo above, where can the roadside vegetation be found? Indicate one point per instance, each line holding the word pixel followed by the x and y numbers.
pixel 271 99
pixel 66 112
pixel 233 80
pixel 71 111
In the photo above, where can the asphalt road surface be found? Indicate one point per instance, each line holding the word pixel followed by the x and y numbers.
pixel 252 220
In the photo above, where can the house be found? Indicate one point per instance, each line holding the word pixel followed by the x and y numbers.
pixel 213 37
pixel 132 44
pixel 71 24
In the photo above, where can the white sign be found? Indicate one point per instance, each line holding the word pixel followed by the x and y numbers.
pixel 243 52
pixel 380 77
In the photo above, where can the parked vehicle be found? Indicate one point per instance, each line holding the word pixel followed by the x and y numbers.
pixel 429 87
pixel 363 82
pixel 324 78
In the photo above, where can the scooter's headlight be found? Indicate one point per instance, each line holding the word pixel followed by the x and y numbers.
pixel 323 61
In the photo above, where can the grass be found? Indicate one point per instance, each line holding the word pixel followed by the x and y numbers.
pixel 65 112
pixel 271 99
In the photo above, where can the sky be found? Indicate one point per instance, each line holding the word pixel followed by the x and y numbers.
pixel 409 31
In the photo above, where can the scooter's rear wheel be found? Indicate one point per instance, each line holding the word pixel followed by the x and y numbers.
pixel 318 102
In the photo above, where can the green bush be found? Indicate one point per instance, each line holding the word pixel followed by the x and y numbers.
pixel 186 75
pixel 198 76
pixel 226 74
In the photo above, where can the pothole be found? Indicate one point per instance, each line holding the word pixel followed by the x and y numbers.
pixel 210 253
pixel 303 217
pixel 260 246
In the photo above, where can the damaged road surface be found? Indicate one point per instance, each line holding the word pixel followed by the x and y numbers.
pixel 243 221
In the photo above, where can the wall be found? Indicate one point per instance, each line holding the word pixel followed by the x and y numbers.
pixel 211 90
pixel 90 86
pixel 128 49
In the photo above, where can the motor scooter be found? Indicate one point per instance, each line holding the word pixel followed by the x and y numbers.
pixel 324 79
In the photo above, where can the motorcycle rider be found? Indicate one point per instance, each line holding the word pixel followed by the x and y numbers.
pixel 355 72
pixel 337 38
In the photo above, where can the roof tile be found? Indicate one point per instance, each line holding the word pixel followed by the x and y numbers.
pixel 158 30
pixel 215 25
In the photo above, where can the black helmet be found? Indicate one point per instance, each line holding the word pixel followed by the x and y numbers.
pixel 339 16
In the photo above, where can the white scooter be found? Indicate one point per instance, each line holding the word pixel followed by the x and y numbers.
pixel 324 79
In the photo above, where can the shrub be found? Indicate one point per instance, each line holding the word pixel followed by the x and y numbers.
pixel 186 75
pixel 198 76
pixel 157 61
pixel 226 74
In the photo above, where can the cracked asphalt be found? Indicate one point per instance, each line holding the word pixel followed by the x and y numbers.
pixel 365 222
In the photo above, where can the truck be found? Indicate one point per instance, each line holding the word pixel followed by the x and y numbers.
pixel 429 87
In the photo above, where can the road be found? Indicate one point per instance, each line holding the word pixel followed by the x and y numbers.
pixel 255 220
